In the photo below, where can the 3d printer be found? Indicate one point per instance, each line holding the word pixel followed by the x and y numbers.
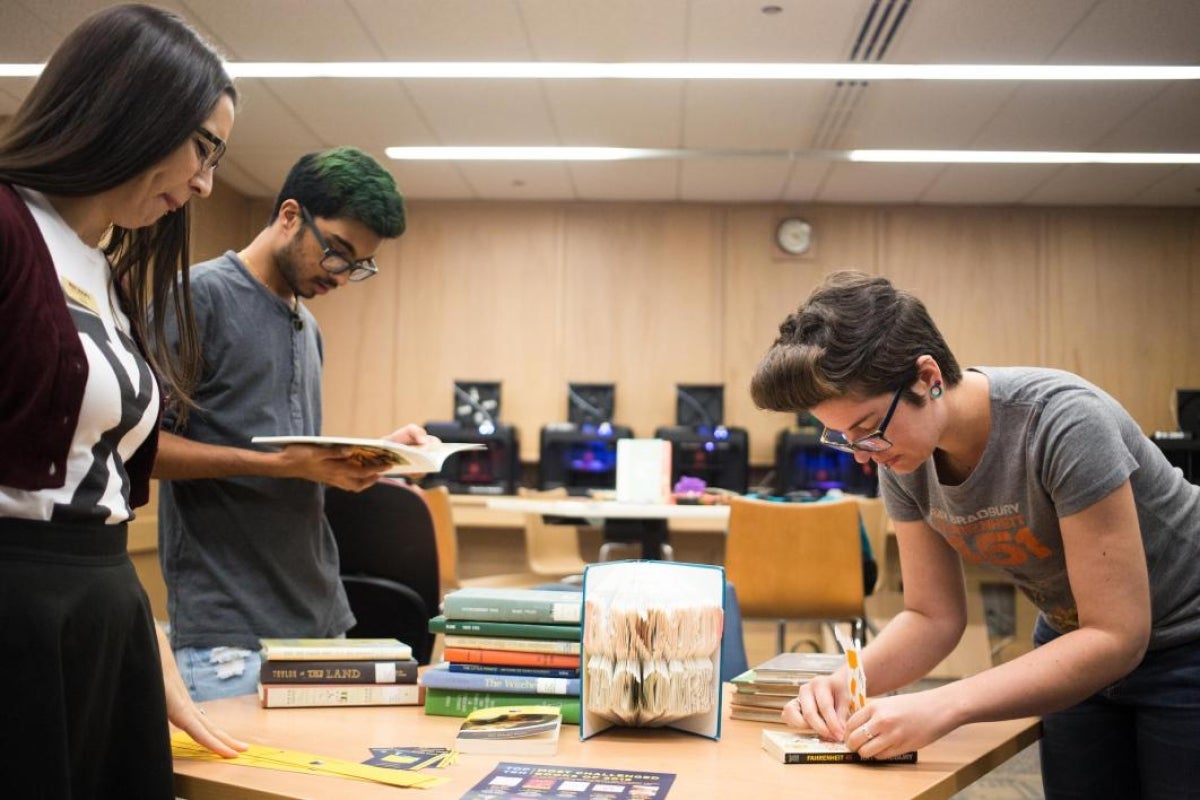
pixel 701 446
pixel 581 454
pixel 494 470
pixel 806 469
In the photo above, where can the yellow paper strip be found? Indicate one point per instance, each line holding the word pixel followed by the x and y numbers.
pixel 265 757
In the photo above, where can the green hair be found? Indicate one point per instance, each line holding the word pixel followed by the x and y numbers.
pixel 345 183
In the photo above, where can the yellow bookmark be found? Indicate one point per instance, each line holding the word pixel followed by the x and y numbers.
pixel 265 757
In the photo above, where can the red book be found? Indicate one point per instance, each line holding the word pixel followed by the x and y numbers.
pixel 513 658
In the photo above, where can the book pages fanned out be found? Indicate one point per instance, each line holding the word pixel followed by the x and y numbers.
pixel 652 646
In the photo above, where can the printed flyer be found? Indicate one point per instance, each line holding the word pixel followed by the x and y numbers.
pixel 549 782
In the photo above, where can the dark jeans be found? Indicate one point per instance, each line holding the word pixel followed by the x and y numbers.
pixel 1138 739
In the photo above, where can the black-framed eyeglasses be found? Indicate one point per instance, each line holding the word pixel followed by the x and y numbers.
pixel 871 443
pixel 210 148
pixel 334 262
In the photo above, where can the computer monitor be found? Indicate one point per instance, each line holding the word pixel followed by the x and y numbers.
pixel 719 456
pixel 579 458
pixel 494 470
pixel 806 468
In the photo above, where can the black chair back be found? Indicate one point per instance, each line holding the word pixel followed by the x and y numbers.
pixel 389 563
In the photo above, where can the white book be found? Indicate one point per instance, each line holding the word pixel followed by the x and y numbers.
pixel 643 470
pixel 391 457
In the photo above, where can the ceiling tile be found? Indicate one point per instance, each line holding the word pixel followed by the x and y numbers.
pixel 904 114
pixel 877 183
pixel 617 113
pixel 1098 184
pixel 1059 116
pixel 606 30
pixel 804 30
pixel 753 115
pixel 285 30
pixel 627 180
pixel 366 113
pixel 749 180
pixel 987 184
pixel 494 112
pixel 1179 188
pixel 519 180
pixel 445 30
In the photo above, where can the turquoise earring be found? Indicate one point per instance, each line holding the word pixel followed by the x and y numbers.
pixel 935 391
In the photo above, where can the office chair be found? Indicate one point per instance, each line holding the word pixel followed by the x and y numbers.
pixel 796 561
pixel 446 536
pixel 389 562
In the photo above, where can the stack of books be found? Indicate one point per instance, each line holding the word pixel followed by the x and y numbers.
pixel 761 693
pixel 506 647
pixel 305 673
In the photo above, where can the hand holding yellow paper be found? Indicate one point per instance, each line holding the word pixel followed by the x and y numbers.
pixel 856 680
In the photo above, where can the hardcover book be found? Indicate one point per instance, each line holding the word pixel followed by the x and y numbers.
pixel 468 655
pixel 514 605
pixel 440 677
pixel 652 646
pixel 511 730
pixel 755 713
pixel 311 695
pixel 339 671
pixel 535 672
pixel 516 630
pixel 564 646
pixel 456 703
pixel 795 747
pixel 390 457
pixel 335 650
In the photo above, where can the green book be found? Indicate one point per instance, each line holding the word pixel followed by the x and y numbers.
pixel 515 605
pixel 521 630
pixel 455 703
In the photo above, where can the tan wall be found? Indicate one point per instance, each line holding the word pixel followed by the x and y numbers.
pixel 649 295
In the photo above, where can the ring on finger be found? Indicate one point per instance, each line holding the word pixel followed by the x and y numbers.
pixel 868 733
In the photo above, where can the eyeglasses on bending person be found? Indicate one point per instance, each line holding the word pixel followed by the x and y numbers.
pixel 334 262
pixel 871 443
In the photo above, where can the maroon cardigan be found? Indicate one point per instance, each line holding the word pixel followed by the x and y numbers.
pixel 43 369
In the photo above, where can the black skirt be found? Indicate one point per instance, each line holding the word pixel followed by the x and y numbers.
pixel 84 713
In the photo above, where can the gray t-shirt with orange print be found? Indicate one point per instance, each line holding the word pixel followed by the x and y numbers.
pixel 1059 444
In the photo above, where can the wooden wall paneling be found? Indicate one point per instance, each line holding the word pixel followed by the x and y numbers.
pixel 978 271
pixel 1123 304
pixel 220 222
pixel 473 295
pixel 642 305
pixel 762 286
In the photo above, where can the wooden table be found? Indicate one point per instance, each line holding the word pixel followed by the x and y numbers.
pixel 733 767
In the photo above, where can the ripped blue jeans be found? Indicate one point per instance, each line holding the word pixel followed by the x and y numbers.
pixel 213 673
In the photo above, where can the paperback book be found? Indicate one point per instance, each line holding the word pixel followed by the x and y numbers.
pixel 440 677
pixel 390 457
pixel 795 747
pixel 797 667
pixel 510 730
pixel 312 695
pixel 499 604
pixel 335 650
pixel 339 671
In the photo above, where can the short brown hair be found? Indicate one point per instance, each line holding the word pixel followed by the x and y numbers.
pixel 855 335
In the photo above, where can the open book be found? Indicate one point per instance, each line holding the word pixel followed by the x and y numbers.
pixel 652 646
pixel 392 458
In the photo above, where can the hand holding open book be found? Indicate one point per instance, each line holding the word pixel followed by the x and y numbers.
pixel 392 458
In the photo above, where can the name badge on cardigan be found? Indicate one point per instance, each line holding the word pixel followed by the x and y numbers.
pixel 80 295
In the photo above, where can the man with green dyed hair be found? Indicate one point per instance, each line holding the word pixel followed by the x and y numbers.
pixel 245 547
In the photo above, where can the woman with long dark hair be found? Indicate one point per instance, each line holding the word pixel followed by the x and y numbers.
pixel 124 126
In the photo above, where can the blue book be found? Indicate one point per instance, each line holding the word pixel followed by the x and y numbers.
pixel 533 672
pixel 440 677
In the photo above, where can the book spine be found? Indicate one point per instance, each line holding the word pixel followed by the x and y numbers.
pixel 504 609
pixel 453 703
pixel 497 657
pixel 335 653
pixel 286 695
pixel 534 672
pixel 507 684
pixel 338 672
pixel 846 758
pixel 522 630
pixel 518 645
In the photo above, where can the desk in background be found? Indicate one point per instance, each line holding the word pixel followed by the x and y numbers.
pixel 647 523
pixel 735 766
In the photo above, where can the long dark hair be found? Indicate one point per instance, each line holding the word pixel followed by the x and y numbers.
pixel 122 92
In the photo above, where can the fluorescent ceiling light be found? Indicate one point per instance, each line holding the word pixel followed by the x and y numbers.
pixel 869 156
pixel 1016 157
pixel 684 71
